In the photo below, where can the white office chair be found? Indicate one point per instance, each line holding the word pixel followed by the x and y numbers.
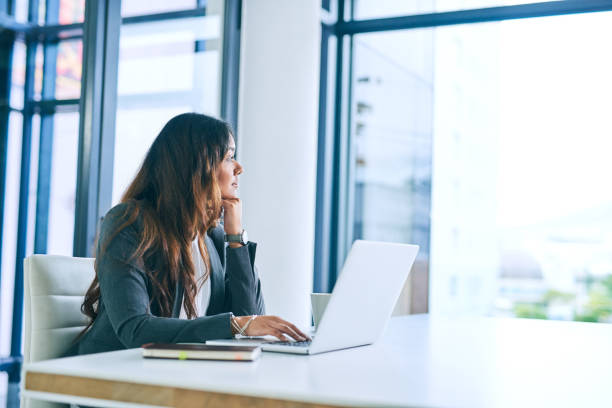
pixel 54 290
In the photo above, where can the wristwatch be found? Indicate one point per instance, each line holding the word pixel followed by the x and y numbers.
pixel 240 238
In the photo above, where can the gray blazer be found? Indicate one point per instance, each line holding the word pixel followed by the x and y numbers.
pixel 126 318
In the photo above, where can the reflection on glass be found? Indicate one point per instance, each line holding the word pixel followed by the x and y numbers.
pixel 42 8
pixel 159 57
pixel 392 141
pixel 11 209
pixel 18 74
pixel 519 164
pixel 32 193
pixel 165 68
pixel 21 11
pixel 71 11
pixel 38 71
pixel 136 130
pixel 63 183
pixel 139 7
pixel 367 9
pixel 69 64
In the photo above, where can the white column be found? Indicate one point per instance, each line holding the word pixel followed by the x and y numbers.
pixel 277 142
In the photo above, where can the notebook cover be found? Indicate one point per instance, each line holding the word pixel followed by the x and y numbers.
pixel 197 347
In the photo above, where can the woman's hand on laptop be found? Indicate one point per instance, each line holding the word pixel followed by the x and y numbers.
pixel 271 325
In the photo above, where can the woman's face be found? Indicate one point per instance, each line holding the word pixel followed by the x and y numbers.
pixel 228 171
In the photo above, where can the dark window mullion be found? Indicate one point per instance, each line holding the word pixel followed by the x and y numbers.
pixel 55 105
pixel 22 219
pixel 342 162
pixel 64 32
pixel 470 16
pixel 231 62
pixel 7 39
pixel 336 224
pixel 24 187
pixel 324 163
pixel 52 12
pixel 169 15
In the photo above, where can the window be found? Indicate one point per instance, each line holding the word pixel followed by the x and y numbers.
pixel 486 145
pixel 63 183
pixel 165 68
pixel 43 124
pixel 520 134
pixel 170 61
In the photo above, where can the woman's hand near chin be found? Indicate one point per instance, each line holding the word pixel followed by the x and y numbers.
pixel 232 216
pixel 272 326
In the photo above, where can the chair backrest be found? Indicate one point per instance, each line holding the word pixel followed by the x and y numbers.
pixel 54 290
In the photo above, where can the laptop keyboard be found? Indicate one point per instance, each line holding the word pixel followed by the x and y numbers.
pixel 290 343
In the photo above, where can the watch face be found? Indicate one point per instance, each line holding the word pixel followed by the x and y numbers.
pixel 243 237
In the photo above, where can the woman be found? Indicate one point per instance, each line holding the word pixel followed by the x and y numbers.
pixel 163 270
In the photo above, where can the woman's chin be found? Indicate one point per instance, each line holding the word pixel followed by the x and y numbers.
pixel 229 194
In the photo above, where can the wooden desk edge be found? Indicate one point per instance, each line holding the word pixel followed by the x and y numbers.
pixel 150 394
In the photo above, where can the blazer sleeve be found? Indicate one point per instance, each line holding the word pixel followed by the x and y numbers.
pixel 243 294
pixel 124 294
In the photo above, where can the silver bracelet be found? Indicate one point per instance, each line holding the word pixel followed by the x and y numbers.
pixel 246 325
pixel 234 323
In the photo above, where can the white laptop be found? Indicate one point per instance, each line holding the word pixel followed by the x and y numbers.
pixel 361 304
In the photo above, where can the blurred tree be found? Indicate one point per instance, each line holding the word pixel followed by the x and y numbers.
pixel 553 295
pixel 598 307
pixel 530 310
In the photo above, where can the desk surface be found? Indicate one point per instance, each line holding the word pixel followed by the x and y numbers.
pixel 420 361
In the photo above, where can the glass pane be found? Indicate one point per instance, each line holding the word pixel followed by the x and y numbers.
pixel 42 8
pixel 63 183
pixel 517 160
pixel 172 56
pixel 69 65
pixel 21 11
pixel 165 68
pixel 135 131
pixel 32 193
pixel 139 7
pixel 38 71
pixel 368 9
pixel 9 233
pixel 3 385
pixel 71 11
pixel 392 141
pixel 18 74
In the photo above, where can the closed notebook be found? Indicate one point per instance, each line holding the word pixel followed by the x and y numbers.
pixel 200 352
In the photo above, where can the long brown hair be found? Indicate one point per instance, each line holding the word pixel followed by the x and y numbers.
pixel 176 195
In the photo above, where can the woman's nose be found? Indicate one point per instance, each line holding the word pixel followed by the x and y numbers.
pixel 238 170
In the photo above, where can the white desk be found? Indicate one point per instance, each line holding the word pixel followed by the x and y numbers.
pixel 420 361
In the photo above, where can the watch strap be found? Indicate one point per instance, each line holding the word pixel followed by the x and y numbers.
pixel 239 238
